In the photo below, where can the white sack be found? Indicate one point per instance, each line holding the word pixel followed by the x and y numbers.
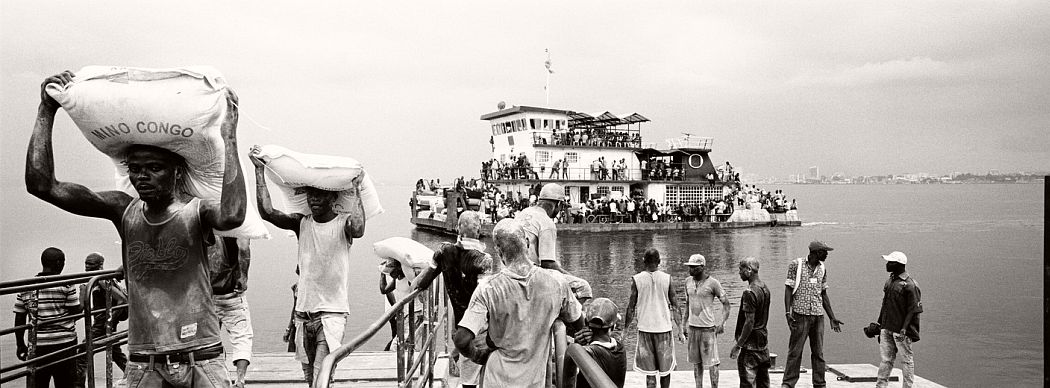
pixel 178 109
pixel 412 255
pixel 291 171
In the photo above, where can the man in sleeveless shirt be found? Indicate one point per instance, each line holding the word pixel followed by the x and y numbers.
pixel 173 331
pixel 653 300
pixel 322 301
pixel 462 265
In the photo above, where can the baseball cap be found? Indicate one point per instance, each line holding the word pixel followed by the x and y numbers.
pixel 896 256
pixel 602 313
pixel 94 258
pixel 696 260
pixel 552 191
pixel 819 246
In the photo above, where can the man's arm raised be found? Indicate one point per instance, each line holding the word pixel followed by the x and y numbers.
pixel 262 195
pixel 355 224
pixel 40 168
pixel 229 212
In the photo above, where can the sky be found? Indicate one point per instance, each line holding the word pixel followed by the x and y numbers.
pixel 863 88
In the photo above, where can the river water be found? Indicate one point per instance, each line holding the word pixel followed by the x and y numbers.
pixel 976 251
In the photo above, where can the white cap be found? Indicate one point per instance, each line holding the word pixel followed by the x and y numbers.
pixel 696 260
pixel 896 256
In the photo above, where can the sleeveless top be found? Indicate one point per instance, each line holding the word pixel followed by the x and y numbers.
pixel 169 290
pixel 324 266
pixel 654 313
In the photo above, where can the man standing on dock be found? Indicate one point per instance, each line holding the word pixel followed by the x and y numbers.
pixel 805 301
pixel 173 331
pixel 518 306
pixel 462 264
pixel 899 319
pixel 702 335
pixel 44 305
pixel 322 302
pixel 656 304
pixel 752 338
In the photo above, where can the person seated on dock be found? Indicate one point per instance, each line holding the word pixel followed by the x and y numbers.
pixel 518 306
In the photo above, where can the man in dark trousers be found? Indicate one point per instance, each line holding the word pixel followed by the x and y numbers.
pixel 45 304
pixel 751 347
pixel 805 302
pixel 899 319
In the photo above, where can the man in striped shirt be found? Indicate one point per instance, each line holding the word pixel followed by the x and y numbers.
pixel 44 304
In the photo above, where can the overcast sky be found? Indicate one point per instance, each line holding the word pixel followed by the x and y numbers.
pixel 856 87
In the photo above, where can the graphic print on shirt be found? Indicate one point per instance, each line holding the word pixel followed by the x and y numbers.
pixel 147 260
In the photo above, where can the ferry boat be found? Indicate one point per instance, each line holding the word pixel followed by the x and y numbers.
pixel 597 158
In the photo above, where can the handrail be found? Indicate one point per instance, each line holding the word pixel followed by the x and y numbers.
pixel 81 349
pixel 426 353
pixel 588 367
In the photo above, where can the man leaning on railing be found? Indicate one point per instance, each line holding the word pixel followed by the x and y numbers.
pixel 47 304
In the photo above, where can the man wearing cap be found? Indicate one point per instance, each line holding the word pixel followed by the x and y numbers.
pixel 517 306
pixel 899 318
pixel 117 295
pixel 805 302
pixel 539 226
pixel 601 316
pixel 751 348
pixel 462 264
pixel 701 291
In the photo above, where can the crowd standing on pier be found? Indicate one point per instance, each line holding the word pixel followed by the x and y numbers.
pixel 184 283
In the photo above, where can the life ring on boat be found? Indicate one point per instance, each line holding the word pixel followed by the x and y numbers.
pixel 691 160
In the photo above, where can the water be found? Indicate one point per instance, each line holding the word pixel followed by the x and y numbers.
pixel 976 251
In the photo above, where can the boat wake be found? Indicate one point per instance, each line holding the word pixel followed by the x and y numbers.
pixel 819 223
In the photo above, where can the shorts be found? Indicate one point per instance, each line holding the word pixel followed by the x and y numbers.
pixel 654 354
pixel 234 316
pixel 703 346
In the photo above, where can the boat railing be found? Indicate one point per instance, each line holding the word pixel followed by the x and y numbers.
pixel 33 361
pixel 670 173
pixel 610 140
pixel 417 347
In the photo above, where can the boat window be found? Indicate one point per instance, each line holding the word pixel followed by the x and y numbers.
pixel 572 157
pixel 603 191
pixel 543 156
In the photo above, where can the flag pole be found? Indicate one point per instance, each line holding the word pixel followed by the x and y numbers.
pixel 547 87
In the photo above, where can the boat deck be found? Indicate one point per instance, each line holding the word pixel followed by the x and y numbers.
pixel 379 369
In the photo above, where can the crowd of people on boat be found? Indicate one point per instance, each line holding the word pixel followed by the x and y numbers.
pixel 651 168
pixel 594 137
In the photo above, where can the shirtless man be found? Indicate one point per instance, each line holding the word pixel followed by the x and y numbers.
pixel 173 331
pixel 322 301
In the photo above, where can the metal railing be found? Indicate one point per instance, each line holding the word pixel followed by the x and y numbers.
pixel 34 361
pixel 672 173
pixel 409 359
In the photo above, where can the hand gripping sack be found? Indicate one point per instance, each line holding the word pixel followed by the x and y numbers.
pixel 178 109
pixel 291 171
pixel 412 255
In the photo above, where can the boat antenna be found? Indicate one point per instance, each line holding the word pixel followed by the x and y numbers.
pixel 547 87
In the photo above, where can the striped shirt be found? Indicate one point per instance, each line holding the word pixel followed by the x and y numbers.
pixel 50 303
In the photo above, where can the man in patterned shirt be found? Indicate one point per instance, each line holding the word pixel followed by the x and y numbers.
pixel 805 301
pixel 44 304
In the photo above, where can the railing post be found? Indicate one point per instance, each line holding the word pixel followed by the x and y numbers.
pixel 399 325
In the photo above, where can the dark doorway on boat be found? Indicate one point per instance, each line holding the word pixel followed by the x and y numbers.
pixel 585 193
